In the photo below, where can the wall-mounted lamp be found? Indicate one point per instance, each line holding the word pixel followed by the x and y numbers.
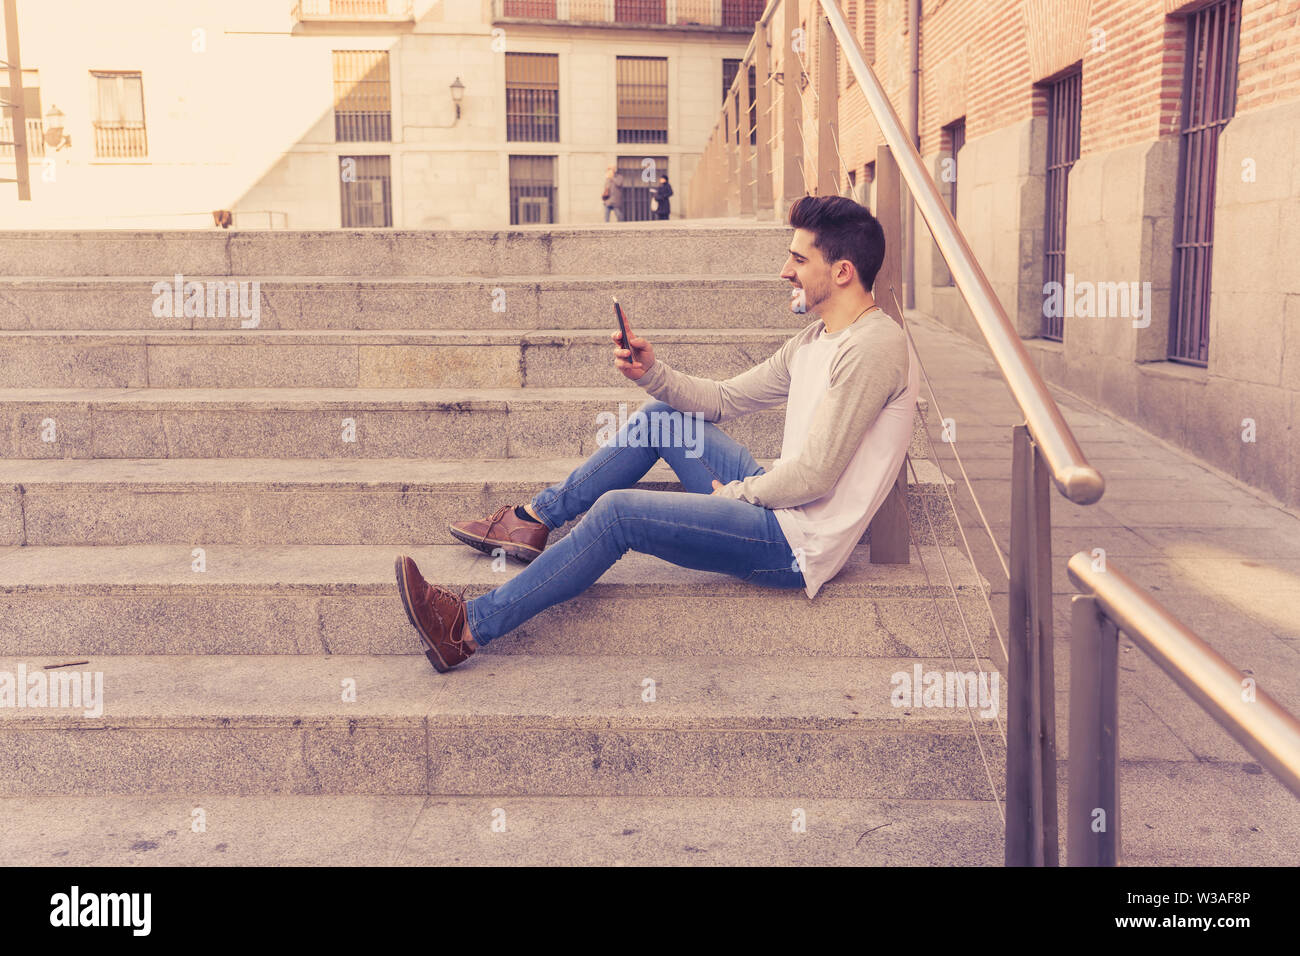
pixel 457 91
pixel 54 135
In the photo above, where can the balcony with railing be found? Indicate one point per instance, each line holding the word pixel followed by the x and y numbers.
pixel 354 11
pixel 711 15
pixel 121 140
pixel 35 137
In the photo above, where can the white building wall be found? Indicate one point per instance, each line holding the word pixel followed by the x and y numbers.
pixel 246 122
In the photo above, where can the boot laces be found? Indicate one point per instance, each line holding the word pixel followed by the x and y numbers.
pixel 435 593
pixel 496 517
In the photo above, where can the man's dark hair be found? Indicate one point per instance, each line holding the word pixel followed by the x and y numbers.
pixel 842 229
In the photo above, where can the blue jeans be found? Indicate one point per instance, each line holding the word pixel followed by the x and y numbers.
pixel 618 216
pixel 691 528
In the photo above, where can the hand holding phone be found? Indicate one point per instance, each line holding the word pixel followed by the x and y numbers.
pixel 622 324
pixel 633 356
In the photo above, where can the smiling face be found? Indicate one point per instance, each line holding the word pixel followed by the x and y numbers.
pixel 806 269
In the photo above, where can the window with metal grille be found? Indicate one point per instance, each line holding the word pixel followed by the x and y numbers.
pixel 642 99
pixel 1064 98
pixel 362 97
pixel 753 108
pixel 119 115
pixel 741 13
pixel 729 70
pixel 532 189
pixel 533 97
pixel 636 187
pixel 955 135
pixel 1209 101
pixel 640 11
pixel 537 9
pixel 366 191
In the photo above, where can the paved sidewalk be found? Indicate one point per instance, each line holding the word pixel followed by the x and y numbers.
pixel 1223 559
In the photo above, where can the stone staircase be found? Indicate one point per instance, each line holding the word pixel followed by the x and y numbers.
pixel 208 515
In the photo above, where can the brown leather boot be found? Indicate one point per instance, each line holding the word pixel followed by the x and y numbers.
pixel 503 529
pixel 438 615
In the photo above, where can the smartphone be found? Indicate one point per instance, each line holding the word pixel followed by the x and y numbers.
pixel 622 326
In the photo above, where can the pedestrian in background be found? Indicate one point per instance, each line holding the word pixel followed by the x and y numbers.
pixel 612 196
pixel 659 204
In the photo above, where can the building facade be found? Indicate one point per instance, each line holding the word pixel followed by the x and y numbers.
pixel 1125 173
pixel 321 114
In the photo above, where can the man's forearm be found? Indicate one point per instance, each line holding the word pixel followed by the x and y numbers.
pixel 686 393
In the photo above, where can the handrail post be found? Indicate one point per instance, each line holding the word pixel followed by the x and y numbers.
pixel 715 176
pixel 18 111
pixel 889 212
pixel 792 175
pixel 1031 707
pixel 828 110
pixel 711 164
pixel 1092 814
pixel 746 155
pixel 763 121
pixel 890 538
pixel 733 163
pixel 697 205
pixel 724 155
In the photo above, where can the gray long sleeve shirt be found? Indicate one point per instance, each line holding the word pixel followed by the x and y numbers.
pixel 850 399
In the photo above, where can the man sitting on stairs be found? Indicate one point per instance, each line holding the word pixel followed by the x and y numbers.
pixel 849 383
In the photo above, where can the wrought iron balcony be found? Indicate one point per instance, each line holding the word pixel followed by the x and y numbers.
pixel 713 15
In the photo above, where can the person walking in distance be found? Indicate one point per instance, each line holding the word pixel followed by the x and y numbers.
pixel 612 196
pixel 659 204
pixel 849 382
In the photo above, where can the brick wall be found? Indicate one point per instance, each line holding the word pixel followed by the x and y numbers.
pixel 982 59
pixel 1269 64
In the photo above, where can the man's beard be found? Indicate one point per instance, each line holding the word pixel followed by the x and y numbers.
pixel 812 298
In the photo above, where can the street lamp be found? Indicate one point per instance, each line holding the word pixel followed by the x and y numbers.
pixel 54 135
pixel 457 91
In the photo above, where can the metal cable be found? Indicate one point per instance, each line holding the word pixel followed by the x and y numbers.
pixel 952 506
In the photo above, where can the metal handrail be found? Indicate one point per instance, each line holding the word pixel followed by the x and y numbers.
pixel 1073 476
pixel 1268 732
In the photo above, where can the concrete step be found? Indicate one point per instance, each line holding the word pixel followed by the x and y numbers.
pixel 518 302
pixel 53 502
pixel 343 423
pixel 500 725
pixel 301 830
pixel 342 599
pixel 451 358
pixel 623 250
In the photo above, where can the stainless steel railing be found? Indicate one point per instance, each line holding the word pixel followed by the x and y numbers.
pixel 1112 604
